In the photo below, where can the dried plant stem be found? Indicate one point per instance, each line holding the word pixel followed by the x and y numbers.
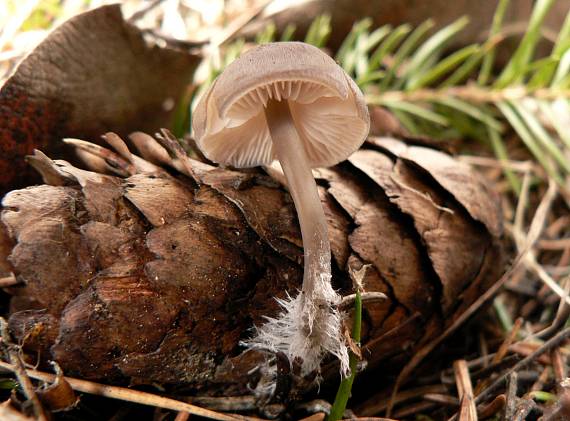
pixel 127 395
pixel 512 386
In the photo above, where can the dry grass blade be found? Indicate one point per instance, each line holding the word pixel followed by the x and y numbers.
pixel 503 350
pixel 127 395
pixel 547 346
pixel 521 241
pixel 467 410
pixel 535 229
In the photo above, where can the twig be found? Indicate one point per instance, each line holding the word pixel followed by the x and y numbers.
pixel 512 386
pixel 19 370
pixel 547 346
pixel 128 395
pixel 524 407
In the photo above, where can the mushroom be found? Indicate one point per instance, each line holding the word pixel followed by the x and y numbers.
pixel 291 102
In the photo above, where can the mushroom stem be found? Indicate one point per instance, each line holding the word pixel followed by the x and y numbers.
pixel 303 188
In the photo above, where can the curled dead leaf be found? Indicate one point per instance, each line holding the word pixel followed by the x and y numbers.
pixel 94 73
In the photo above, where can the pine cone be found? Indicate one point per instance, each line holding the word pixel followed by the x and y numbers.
pixel 156 273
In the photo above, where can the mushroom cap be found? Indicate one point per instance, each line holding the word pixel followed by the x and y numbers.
pixel 327 107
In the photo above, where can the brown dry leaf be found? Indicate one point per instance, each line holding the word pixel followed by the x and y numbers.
pixel 94 73
pixel 196 256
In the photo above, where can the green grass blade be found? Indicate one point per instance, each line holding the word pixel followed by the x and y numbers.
pixel 526 136
pixel 405 50
pixel 563 41
pixel 544 75
pixel 319 31
pixel 543 71
pixel 348 44
pixel 444 67
pixel 514 71
pixel 267 34
pixel 407 121
pixel 370 77
pixel 489 59
pixel 465 70
pixel 472 111
pixel 288 32
pixel 542 136
pixel 377 36
pixel 416 110
pixel 361 50
pixel 343 393
pixel 502 155
pixel 564 84
pixel 555 120
pixel 388 45
pixel 562 72
pixel 432 47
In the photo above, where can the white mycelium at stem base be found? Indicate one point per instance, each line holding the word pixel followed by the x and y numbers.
pixel 311 324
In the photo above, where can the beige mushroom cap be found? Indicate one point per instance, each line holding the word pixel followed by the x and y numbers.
pixel 327 107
